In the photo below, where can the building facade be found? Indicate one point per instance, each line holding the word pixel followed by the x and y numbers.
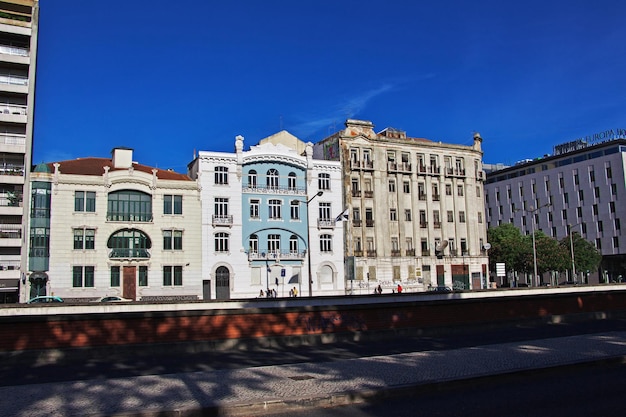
pixel 416 209
pixel 104 227
pixel 578 188
pixel 18 53
pixel 269 220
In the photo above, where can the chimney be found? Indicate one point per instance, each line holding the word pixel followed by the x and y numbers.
pixel 122 157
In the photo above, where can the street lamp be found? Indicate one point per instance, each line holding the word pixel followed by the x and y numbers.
pixel 308 241
pixel 571 248
pixel 532 212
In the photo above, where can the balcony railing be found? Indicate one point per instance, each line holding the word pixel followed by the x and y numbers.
pixel 410 252
pixel 368 193
pixel 436 197
pixel 395 253
pixel 9 169
pixel 12 139
pixel 422 196
pixel 13 50
pixel 358 253
pixel 12 109
pixel 371 253
pixel 356 193
pixel 423 225
pixel 222 220
pixel 129 217
pixel 13 79
pixel 455 172
pixel 129 253
pixel 356 222
pixel 425 252
pixel 276 255
pixel 326 223
pixel 10 231
pixel 279 189
pixel 398 167
pixel 369 222
pixel 437 225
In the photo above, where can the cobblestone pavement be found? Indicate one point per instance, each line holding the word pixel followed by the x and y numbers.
pixel 250 391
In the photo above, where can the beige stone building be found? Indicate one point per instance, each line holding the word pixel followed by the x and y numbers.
pixel 18 53
pixel 416 209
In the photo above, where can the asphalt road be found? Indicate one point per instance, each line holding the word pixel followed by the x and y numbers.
pixel 15 370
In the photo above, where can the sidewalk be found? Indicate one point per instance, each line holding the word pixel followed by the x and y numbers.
pixel 250 391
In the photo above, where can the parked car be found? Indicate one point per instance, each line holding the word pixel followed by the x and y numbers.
pixel 45 299
pixel 112 299
pixel 441 289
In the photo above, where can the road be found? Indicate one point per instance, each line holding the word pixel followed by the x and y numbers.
pixel 16 371
pixel 582 391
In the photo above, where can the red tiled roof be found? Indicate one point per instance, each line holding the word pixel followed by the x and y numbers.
pixel 95 166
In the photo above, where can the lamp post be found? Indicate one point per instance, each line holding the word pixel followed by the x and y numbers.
pixel 308 241
pixel 571 248
pixel 532 212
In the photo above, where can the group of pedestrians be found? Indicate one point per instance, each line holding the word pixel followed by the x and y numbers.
pixel 379 290
pixel 272 293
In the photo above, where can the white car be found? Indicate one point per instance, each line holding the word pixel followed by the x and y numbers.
pixel 112 299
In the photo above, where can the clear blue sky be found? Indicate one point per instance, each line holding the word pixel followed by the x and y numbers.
pixel 168 77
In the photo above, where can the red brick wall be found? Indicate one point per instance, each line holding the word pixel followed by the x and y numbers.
pixel 46 332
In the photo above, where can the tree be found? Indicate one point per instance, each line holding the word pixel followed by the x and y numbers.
pixel 586 256
pixel 507 246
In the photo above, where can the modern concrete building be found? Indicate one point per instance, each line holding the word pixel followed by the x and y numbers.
pixel 416 209
pixel 580 187
pixel 18 53
pixel 269 220
pixel 111 226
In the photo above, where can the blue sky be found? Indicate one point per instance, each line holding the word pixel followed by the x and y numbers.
pixel 167 78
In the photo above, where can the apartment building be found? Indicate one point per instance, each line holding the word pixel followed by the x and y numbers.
pixel 416 209
pixel 18 53
pixel 269 220
pixel 579 188
pixel 113 227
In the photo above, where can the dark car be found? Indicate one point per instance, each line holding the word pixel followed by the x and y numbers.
pixel 45 299
pixel 568 283
pixel 441 289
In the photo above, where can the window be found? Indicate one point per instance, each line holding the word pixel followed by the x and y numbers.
pixel 291 181
pixel 40 201
pixel 274 207
pixel 272 179
pixel 85 201
pixel 566 198
pixel 143 276
pixel 459 190
pixel 252 178
pixel 323 181
pixel 221 175
pixel 564 214
pixel 579 212
pixel 221 242
pixel 129 243
pixel 423 221
pixel 393 215
pixel 598 243
pixel 448 189
pixel 592 176
pixel 294 207
pixel 406 186
pixel 480 217
pixel 293 244
pixel 595 209
pixel 273 243
pixel 421 191
pixel 220 207
pixel 84 238
pixel 324 211
pixel 129 206
pixel 477 191
pixel 609 173
pixel 613 189
pixel 450 216
pixel 600 226
pixel 612 206
pixel 407 215
pixel 392 186
pixel 596 192
pixel 172 204
pixel 581 195
pixel 172 274
pixel 461 216
pixel 254 209
pixel 326 243
pixel 115 276
pixel 618 225
pixel 576 179
pixel 253 244
pixel 83 276
pixel 172 240
pixel 615 242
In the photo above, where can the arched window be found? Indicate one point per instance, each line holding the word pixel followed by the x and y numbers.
pixel 129 243
pixel 291 181
pixel 221 242
pixel 272 178
pixel 252 178
pixel 293 244
pixel 129 206
pixel 326 243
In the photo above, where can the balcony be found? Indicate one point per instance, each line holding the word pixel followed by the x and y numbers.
pixel 10 235
pixel 395 253
pixel 425 252
pixel 437 225
pixel 13 142
pixel 410 252
pixel 129 217
pixel 276 255
pixel 325 223
pixel 423 225
pixel 369 194
pixel 129 253
pixel 480 175
pixel 222 220
pixel 455 172
pixel 422 196
pixel 356 222
pixel 433 170
pixel 436 197
pixel 283 190
pixel 358 253
pixel 13 50
pixel 369 223
pixel 361 165
pixel 404 167
pixel 356 193
pixel 371 253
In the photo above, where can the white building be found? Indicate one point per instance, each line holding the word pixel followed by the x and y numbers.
pixel 111 226
pixel 19 21
pixel 416 209
pixel 268 220
pixel 580 187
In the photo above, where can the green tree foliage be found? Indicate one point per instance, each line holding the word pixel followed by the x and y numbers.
pixel 551 256
pixel 507 245
pixel 586 256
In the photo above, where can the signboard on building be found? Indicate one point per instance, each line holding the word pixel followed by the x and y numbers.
pixel 589 140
